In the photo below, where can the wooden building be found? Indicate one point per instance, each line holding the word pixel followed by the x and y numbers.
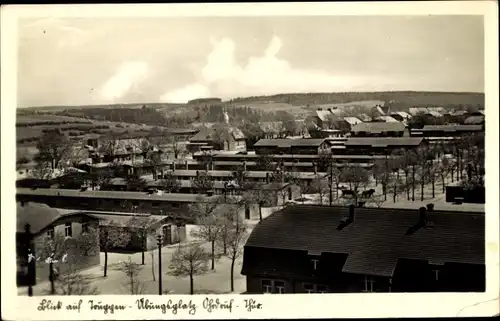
pixel 451 130
pixel 379 145
pixel 378 129
pixel 175 205
pixel 322 249
pixel 299 146
pixel 46 223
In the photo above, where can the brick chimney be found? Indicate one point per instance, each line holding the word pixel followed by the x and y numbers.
pixel 267 178
pixel 423 216
pixel 352 213
pixel 187 165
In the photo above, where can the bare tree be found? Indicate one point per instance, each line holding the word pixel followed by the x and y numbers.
pixel 319 185
pixel 131 271
pixel 42 170
pixel 206 216
pixel 112 235
pixel 256 196
pixel 382 175
pixel 236 239
pixel 208 229
pixel 356 177
pixel 52 147
pixel 142 227
pixel 190 260
pixel 69 254
pixel 170 183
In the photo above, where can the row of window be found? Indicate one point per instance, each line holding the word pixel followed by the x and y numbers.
pixel 274 286
pixel 68 230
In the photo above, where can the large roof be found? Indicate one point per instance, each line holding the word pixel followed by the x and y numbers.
pixel 379 127
pixel 352 120
pixel 452 128
pixel 474 120
pixel 287 143
pixel 250 174
pixel 38 216
pixel 169 197
pixel 376 239
pixel 384 141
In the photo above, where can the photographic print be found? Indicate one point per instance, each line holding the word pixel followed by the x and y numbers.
pixel 213 159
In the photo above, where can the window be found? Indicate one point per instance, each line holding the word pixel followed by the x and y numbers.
pixel 68 231
pixel 267 286
pixel 85 227
pixel 50 233
pixel 369 284
pixel 279 287
pixel 175 205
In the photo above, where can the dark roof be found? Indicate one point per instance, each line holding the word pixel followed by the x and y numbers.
pixel 452 128
pixel 384 141
pixel 38 216
pixel 287 143
pixel 168 197
pixel 379 127
pixel 118 181
pixel 250 174
pixel 377 237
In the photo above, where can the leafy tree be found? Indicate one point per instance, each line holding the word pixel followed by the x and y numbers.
pixel 190 260
pixel 203 182
pixel 135 183
pixel 111 235
pixel 52 147
pixel 142 227
pixel 170 183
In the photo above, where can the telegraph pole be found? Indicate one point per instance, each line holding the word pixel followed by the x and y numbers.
pixel 31 260
pixel 159 264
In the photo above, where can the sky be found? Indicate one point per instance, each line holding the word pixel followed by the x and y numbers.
pixel 86 61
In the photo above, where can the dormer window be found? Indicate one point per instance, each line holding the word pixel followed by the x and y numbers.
pixel 50 233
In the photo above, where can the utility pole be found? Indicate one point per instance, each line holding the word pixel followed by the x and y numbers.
pixel 31 260
pixel 159 237
pixel 51 274
pixel 331 179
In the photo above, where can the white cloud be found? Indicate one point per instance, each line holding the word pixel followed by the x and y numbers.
pixel 183 95
pixel 129 75
pixel 263 75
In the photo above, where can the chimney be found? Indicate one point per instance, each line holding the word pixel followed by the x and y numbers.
pixel 315 167
pixel 212 165
pixel 187 165
pixel 207 167
pixel 320 108
pixel 244 165
pixel 423 215
pixel 267 178
pixel 352 213
pixel 430 207
pixel 197 173
pixel 173 165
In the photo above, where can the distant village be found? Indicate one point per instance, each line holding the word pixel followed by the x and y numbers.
pixel 362 200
